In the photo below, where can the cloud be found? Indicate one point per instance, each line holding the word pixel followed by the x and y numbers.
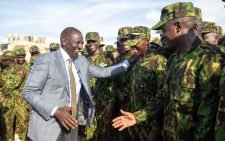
pixel 49 18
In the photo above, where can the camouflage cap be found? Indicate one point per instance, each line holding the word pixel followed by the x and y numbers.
pixel 101 44
pixel 54 46
pixel 219 30
pixel 109 48
pixel 175 11
pixel 209 27
pixel 20 52
pixel 9 55
pixel 123 31
pixel 156 41
pixel 92 36
pixel 137 34
pixel 34 48
pixel 198 13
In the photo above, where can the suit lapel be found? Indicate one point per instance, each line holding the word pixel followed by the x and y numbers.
pixel 82 76
pixel 60 64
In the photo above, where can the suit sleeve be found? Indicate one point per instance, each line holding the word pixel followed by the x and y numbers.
pixel 100 72
pixel 34 86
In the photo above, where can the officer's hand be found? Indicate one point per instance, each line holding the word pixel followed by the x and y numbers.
pixel 133 59
pixel 107 112
pixel 126 120
pixel 65 118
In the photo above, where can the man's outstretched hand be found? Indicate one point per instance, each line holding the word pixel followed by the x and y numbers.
pixel 63 115
pixel 126 120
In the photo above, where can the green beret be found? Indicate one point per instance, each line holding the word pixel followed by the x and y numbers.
pixel 92 36
pixel 20 51
pixel 175 11
pixel 9 55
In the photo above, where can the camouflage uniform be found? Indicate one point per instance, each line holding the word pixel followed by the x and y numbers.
pixel 222 41
pixel 121 87
pixel 210 27
pixel 146 79
pixel 155 44
pixel 191 86
pixel 101 90
pixel 53 46
pixel 34 51
pixel 21 52
pixel 2 123
pixel 14 106
pixel 220 120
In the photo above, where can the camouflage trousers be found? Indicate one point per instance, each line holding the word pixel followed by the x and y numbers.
pixel 15 117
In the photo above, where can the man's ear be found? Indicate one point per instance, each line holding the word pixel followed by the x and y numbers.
pixel 147 41
pixel 178 26
pixel 196 27
pixel 64 41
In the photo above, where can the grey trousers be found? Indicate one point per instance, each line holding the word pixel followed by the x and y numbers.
pixel 77 134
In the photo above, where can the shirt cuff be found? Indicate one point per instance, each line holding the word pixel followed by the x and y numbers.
pixel 140 116
pixel 125 64
pixel 53 111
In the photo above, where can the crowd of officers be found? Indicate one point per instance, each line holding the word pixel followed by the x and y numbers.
pixel 174 93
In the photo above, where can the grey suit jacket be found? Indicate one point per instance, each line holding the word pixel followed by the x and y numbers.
pixel 47 86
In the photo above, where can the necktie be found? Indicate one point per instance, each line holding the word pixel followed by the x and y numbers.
pixel 72 88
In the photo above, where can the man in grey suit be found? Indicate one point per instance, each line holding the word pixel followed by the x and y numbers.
pixel 49 90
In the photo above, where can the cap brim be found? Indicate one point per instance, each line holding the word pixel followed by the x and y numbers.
pixel 159 25
pixel 101 45
pixel 134 33
pixel 132 43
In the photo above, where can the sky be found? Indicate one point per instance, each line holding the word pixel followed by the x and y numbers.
pixel 48 18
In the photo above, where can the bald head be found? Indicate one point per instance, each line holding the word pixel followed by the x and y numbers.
pixel 67 32
pixel 71 41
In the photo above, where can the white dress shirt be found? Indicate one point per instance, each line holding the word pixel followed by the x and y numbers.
pixel 66 58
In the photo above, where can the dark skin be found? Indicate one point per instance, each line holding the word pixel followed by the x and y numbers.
pixel 123 48
pixel 142 51
pixel 142 47
pixel 93 47
pixel 35 53
pixel 20 59
pixel 198 28
pixel 7 63
pixel 180 37
pixel 72 43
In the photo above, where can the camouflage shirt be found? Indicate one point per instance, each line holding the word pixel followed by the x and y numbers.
pixel 13 79
pixel 100 85
pixel 192 90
